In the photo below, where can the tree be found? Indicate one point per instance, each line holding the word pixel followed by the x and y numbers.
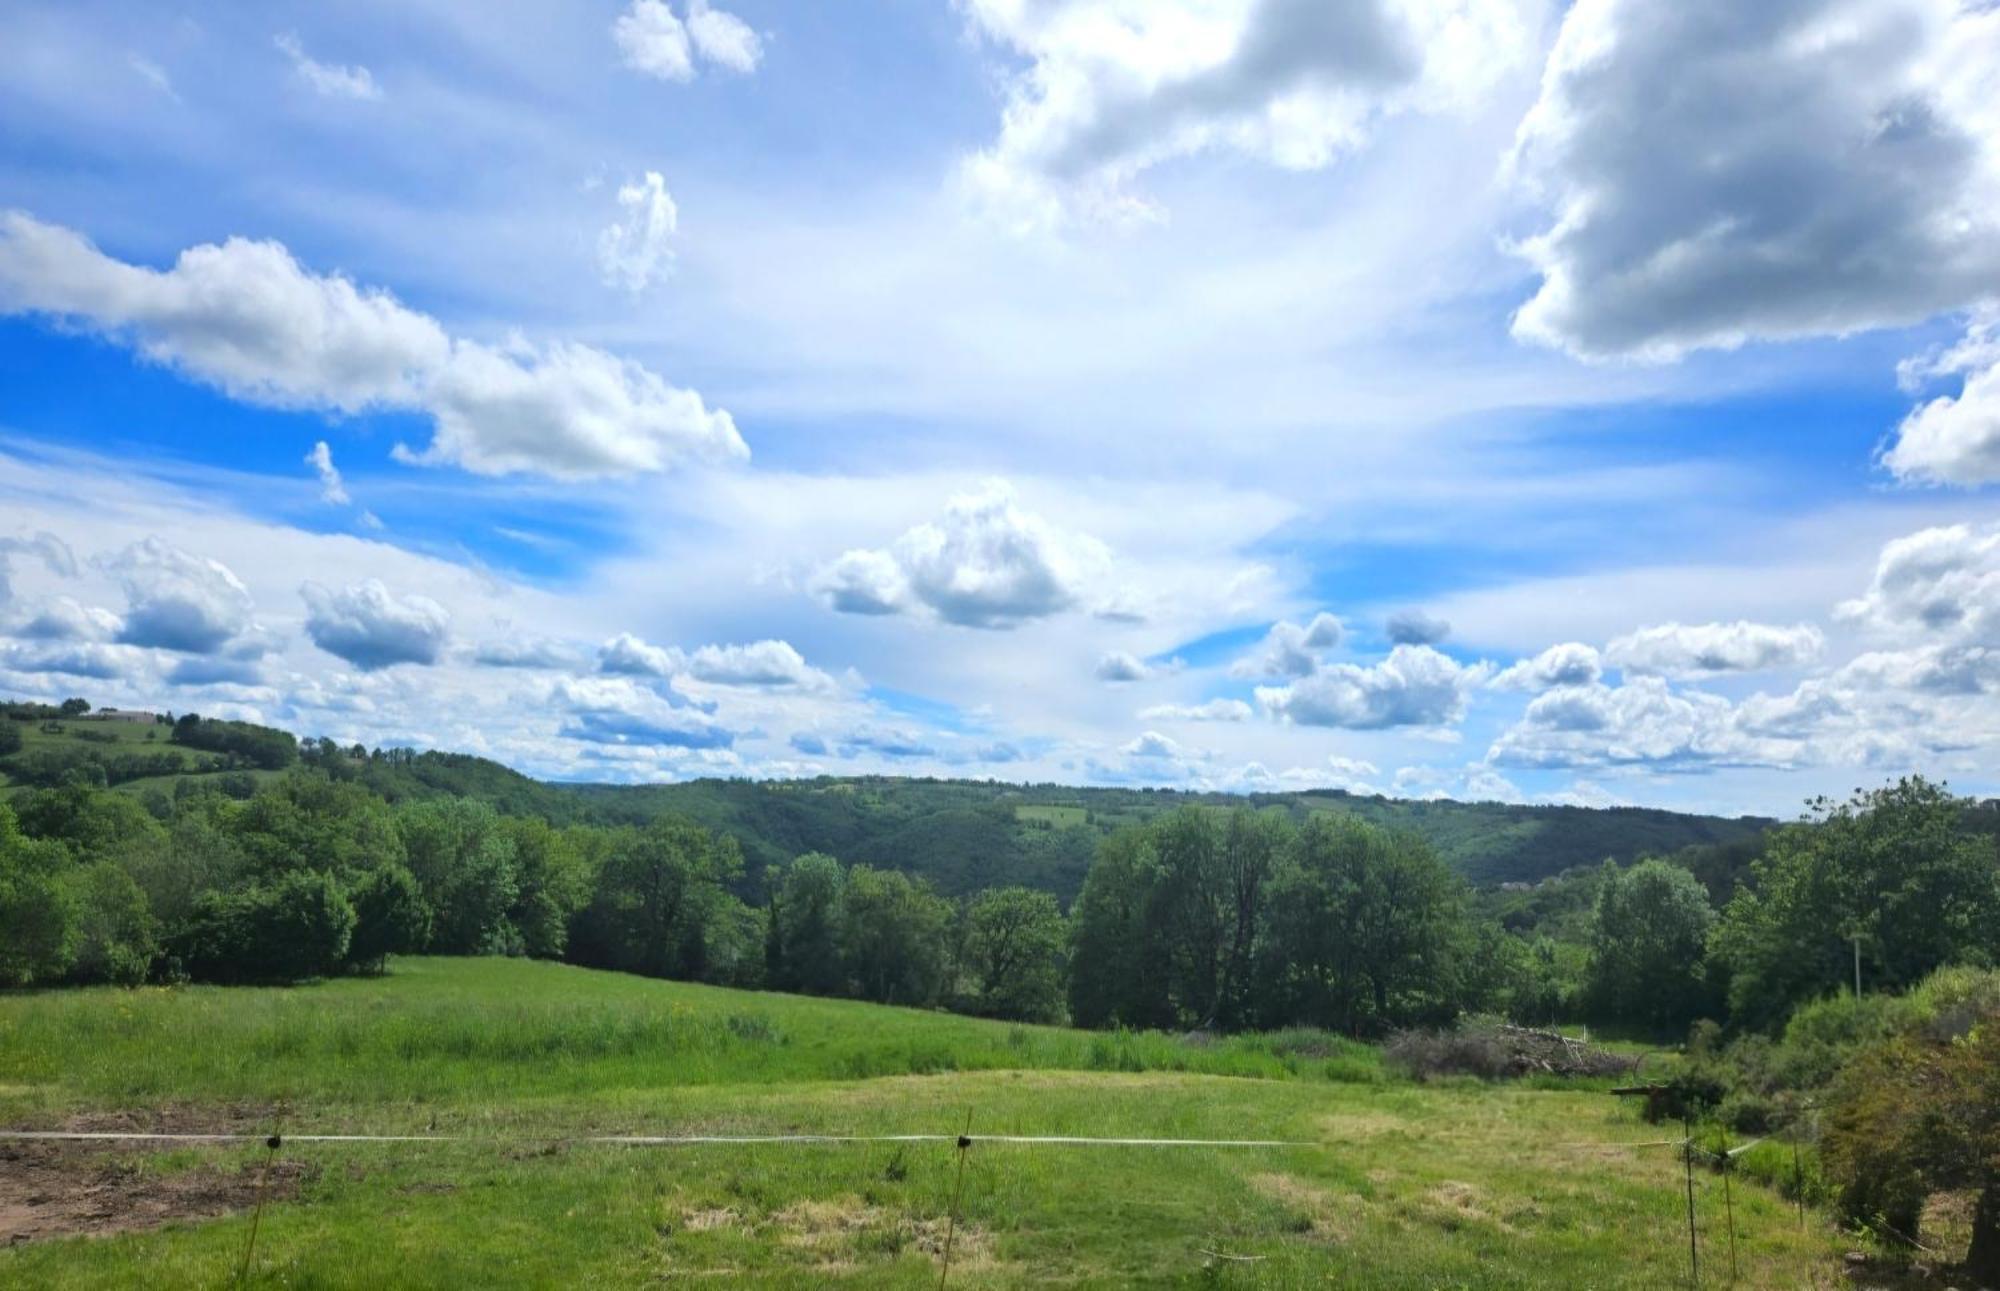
pixel 1892 867
pixel 11 738
pixel 463 860
pixel 1920 1113
pixel 117 936
pixel 390 917
pixel 295 927
pixel 1114 978
pixel 656 892
pixel 551 882
pixel 805 918
pixel 1646 946
pixel 892 936
pixel 1366 930
pixel 1014 954
pixel 38 914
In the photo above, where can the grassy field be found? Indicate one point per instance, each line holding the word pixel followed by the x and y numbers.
pixel 1455 1185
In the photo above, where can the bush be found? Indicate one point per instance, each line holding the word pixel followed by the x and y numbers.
pixel 297 927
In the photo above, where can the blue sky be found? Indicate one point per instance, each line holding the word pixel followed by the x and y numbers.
pixel 1035 389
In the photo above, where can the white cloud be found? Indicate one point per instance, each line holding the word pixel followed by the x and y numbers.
pixel 758 664
pixel 45 547
pixel 1942 582
pixel 1954 439
pixel 371 628
pixel 628 656
pixel 328 79
pixel 176 600
pixel 615 711
pixel 1215 710
pixel 1643 722
pixel 249 319
pixel 985 564
pixel 723 37
pixel 1414 627
pixel 1569 664
pixel 1114 87
pixel 1289 650
pixel 636 250
pixel 331 488
pixel 1121 665
pixel 89 659
pixel 1717 173
pixel 654 40
pixel 1414 686
pixel 1152 744
pixel 531 652
pixel 66 619
pixel 1702 649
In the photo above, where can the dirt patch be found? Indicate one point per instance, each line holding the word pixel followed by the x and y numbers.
pixel 702 1221
pixel 1325 1215
pixel 64 1189
pixel 1452 1204
pixel 834 1232
pixel 182 1118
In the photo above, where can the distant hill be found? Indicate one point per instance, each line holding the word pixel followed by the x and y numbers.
pixel 963 835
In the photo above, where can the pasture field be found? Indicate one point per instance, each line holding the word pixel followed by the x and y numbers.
pixel 1394 1184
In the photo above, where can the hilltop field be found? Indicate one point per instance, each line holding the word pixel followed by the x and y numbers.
pixel 1455 1183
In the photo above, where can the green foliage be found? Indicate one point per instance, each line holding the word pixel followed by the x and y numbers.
pixel 892 938
pixel 11 738
pixel 257 746
pixel 1366 931
pixel 117 937
pixel 1014 944
pixel 1917 1114
pixel 390 917
pixel 295 927
pixel 38 914
pixel 804 947
pixel 1893 867
pixel 463 860
pixel 1646 947
pixel 658 891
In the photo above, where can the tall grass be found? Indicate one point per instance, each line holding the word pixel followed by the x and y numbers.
pixel 444 1029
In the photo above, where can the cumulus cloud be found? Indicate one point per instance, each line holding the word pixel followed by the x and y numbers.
pixel 1414 627
pixel 371 628
pixel 1114 87
pixel 332 489
pixel 763 664
pixel 329 79
pixel 1153 745
pixel 653 39
pixel 1289 650
pixel 1569 664
pixel 1954 439
pixel 1414 686
pixel 985 564
pixel 615 711
pixel 1717 173
pixel 1118 666
pixel 247 318
pixel 1215 710
pixel 629 656
pixel 636 250
pixel 90 659
pixel 1702 649
pixel 176 600
pixel 1942 582
pixel 1643 722
pixel 66 619
pixel 52 551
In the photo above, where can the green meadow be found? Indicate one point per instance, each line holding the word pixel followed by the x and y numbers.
pixel 1452 1184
